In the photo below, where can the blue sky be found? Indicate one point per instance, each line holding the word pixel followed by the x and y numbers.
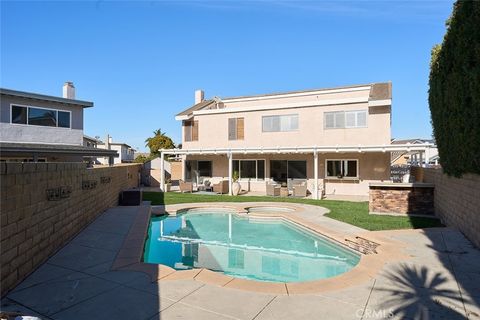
pixel 140 62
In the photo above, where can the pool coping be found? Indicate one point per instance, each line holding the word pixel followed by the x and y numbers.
pixel 129 257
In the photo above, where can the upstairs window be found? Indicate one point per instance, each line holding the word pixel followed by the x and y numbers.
pixel 342 168
pixel 191 130
pixel 40 117
pixel 19 114
pixel 235 128
pixel 281 123
pixel 345 119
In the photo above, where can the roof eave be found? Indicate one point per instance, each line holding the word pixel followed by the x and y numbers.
pixel 43 97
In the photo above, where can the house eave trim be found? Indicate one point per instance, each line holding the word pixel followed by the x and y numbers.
pixel 302 149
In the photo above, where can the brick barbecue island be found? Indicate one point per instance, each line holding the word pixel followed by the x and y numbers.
pixel 401 198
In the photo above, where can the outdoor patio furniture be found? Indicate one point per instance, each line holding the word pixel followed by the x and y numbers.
pixel 185 186
pixel 272 189
pixel 300 190
pixel 221 187
pixel 291 183
pixel 283 192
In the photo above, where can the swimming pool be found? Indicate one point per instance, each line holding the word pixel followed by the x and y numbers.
pixel 245 247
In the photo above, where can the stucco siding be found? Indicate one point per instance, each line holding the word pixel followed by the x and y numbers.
pixel 39 134
pixel 213 129
pixel 6 101
pixel 372 167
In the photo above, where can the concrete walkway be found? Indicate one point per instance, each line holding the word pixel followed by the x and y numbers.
pixel 441 280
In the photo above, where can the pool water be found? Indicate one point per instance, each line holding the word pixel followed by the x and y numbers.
pixel 245 247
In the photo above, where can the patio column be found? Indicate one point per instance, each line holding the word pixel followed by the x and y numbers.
pixel 162 172
pixel 427 156
pixel 315 175
pixel 230 168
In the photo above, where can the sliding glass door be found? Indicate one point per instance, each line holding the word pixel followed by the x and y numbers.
pixel 281 170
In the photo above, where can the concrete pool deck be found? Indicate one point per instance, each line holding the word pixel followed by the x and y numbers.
pixel 433 273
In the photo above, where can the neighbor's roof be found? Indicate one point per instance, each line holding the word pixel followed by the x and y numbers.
pixel 43 148
pixel 413 141
pixel 378 91
pixel 43 97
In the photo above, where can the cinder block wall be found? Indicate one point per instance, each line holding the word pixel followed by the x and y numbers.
pixel 32 227
pixel 457 200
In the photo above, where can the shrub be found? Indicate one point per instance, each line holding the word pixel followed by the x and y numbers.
pixel 454 95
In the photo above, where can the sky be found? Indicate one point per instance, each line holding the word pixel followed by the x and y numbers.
pixel 141 61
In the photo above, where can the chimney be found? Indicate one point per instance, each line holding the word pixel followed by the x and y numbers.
pixel 68 90
pixel 199 96
pixel 107 142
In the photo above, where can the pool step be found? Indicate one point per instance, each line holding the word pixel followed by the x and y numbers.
pixel 362 245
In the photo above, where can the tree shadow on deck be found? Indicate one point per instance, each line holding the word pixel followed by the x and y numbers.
pixel 418 293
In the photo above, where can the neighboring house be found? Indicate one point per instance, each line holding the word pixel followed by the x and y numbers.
pixel 37 127
pixel 414 157
pixel 337 140
pixel 90 142
pixel 126 153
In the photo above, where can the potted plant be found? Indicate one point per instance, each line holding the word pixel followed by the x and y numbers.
pixel 236 187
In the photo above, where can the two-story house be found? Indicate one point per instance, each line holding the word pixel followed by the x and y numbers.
pixel 37 127
pixel 126 153
pixel 337 139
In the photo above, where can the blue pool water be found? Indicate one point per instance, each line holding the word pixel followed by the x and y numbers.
pixel 243 247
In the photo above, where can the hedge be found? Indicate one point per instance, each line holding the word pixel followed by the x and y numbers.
pixel 454 95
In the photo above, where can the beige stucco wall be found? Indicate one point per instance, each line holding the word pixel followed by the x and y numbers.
pixel 372 167
pixel 213 129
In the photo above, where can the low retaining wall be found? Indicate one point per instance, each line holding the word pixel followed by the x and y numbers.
pixel 43 205
pixel 402 198
pixel 457 200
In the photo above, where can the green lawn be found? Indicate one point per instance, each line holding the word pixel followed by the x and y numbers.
pixel 355 213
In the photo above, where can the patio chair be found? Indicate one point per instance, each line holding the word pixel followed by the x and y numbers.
pixel 272 189
pixel 221 187
pixel 185 186
pixel 300 190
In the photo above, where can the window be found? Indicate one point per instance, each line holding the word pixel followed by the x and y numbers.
pixel 64 119
pixel 19 114
pixel 195 169
pixel 235 128
pixel 205 168
pixel 191 130
pixel 281 170
pixel 249 169
pixel 40 117
pixel 280 123
pixel 345 119
pixel 342 168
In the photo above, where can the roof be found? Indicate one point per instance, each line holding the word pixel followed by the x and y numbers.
pixel 120 144
pixel 18 147
pixel 195 107
pixel 378 91
pixel 37 96
pixel 90 138
pixel 412 141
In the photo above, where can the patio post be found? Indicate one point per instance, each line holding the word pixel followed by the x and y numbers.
pixel 315 174
pixel 427 156
pixel 230 168
pixel 162 172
